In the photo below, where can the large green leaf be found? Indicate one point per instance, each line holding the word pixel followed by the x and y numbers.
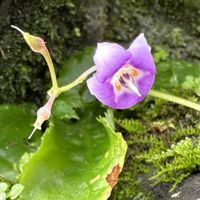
pixel 78 161
pixel 15 123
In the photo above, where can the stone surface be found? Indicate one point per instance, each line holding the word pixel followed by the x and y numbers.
pixel 189 189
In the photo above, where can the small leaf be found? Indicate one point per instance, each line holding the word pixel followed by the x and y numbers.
pixel 3 196
pixel 64 106
pixel 193 84
pixel 16 191
pixel 3 187
pixel 160 54
pixel 172 73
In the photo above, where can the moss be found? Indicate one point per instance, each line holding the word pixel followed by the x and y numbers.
pixel 163 142
pixel 131 125
pixel 174 25
pixel 176 163
pixel 24 76
pixel 130 186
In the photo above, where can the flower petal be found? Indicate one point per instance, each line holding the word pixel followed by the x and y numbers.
pixel 145 83
pixel 104 92
pixel 141 55
pixel 127 100
pixel 108 58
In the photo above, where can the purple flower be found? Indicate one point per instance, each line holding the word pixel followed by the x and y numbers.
pixel 123 77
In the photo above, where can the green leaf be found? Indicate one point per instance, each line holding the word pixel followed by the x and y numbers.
pixel 15 123
pixel 3 187
pixel 16 191
pixel 76 161
pixel 63 111
pixel 3 196
pixel 65 104
pixel 193 84
pixel 160 54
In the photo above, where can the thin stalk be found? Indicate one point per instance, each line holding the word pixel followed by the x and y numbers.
pixel 48 59
pixel 80 79
pixel 31 134
pixel 174 99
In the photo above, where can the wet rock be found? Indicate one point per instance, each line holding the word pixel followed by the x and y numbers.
pixel 189 189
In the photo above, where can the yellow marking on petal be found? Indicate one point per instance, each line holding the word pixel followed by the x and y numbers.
pixel 134 72
pixel 118 86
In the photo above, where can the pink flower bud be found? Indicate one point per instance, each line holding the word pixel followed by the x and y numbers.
pixel 43 114
pixel 37 44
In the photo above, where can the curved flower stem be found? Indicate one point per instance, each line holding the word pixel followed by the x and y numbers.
pixel 174 99
pixel 48 59
pixel 77 81
pixel 80 79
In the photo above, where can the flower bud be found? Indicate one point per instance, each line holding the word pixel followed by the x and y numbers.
pixel 37 44
pixel 43 114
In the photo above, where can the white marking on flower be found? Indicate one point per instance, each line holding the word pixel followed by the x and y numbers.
pixel 125 80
